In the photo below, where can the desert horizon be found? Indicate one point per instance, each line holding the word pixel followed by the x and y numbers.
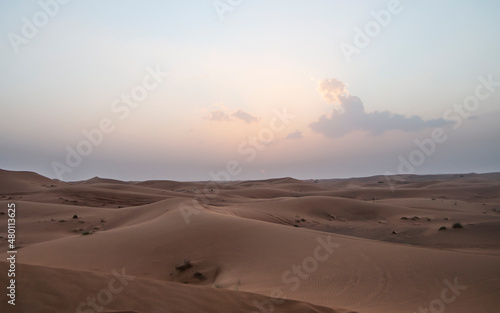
pixel 324 156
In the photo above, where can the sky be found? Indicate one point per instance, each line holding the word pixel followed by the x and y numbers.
pixel 239 89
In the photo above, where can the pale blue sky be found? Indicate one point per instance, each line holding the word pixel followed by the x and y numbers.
pixel 264 55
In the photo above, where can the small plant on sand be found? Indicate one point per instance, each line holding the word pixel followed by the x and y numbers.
pixel 199 275
pixel 85 233
pixel 457 225
pixel 442 228
pixel 238 284
pixel 184 266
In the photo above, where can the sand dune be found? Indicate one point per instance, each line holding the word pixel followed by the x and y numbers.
pixel 62 290
pixel 326 246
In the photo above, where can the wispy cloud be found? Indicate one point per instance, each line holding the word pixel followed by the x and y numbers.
pixel 351 115
pixel 218 115
pixel 244 116
pixel 222 114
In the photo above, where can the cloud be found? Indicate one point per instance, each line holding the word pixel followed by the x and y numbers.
pixel 352 115
pixel 295 135
pixel 331 89
pixel 222 114
pixel 218 115
pixel 246 117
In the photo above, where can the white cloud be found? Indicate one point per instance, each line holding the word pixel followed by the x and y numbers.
pixel 331 89
pixel 353 116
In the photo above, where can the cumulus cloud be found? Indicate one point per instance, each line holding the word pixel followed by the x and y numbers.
pixel 331 89
pixel 295 135
pixel 352 115
pixel 244 116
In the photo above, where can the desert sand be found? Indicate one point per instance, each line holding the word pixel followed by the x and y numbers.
pixel 278 245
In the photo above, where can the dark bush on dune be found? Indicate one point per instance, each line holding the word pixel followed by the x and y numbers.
pixel 442 228
pixel 199 275
pixel 184 266
pixel 457 226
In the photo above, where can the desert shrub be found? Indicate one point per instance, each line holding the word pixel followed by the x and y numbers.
pixel 75 216
pixel 199 275
pixel 86 233
pixel 184 266
pixel 442 228
pixel 457 225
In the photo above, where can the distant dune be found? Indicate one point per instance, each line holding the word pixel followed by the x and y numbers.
pixel 278 245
